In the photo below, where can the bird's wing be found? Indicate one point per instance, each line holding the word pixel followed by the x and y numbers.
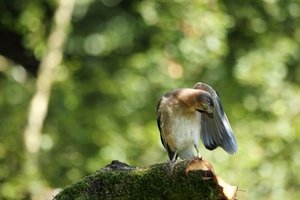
pixel 160 128
pixel 215 129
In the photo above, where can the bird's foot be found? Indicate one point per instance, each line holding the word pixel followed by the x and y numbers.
pixel 199 155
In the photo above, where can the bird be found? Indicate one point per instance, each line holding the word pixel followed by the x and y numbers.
pixel 186 115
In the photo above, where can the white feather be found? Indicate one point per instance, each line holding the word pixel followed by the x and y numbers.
pixel 185 134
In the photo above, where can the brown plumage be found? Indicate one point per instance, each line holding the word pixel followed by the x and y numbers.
pixel 185 115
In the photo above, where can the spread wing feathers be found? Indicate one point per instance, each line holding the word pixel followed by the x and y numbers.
pixel 159 124
pixel 216 130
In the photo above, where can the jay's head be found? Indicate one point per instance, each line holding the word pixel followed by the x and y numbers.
pixel 204 102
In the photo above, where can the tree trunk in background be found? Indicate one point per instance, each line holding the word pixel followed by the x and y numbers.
pixel 39 102
pixel 181 179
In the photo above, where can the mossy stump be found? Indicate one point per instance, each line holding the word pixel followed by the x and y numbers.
pixel 181 179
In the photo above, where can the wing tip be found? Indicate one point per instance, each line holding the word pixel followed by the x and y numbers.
pixel 231 148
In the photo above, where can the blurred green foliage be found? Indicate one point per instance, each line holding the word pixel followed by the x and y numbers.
pixel 121 56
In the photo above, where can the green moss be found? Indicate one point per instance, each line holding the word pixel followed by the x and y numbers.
pixel 162 181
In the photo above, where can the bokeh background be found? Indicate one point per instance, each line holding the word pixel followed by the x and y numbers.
pixel 120 56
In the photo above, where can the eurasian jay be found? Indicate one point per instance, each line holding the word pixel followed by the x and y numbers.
pixel 185 115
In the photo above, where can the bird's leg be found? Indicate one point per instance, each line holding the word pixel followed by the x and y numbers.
pixel 173 161
pixel 174 157
pixel 198 154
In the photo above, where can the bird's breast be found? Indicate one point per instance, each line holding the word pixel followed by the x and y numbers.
pixel 184 131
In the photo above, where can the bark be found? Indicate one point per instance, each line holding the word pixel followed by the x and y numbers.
pixel 181 179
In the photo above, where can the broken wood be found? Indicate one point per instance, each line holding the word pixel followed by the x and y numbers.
pixel 180 179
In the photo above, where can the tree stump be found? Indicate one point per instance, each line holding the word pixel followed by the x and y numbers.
pixel 180 179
